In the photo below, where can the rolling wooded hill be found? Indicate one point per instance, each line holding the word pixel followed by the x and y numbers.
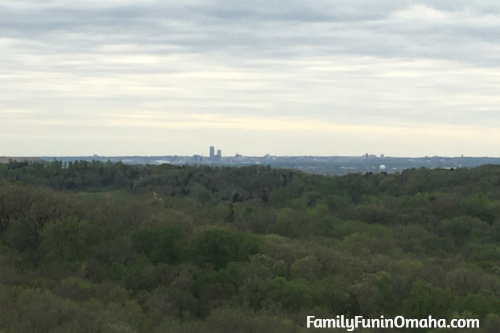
pixel 109 247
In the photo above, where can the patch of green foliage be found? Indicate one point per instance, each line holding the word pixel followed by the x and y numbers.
pixel 109 247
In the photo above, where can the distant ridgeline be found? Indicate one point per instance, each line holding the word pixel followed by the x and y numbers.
pixel 90 246
pixel 323 165
pixel 6 159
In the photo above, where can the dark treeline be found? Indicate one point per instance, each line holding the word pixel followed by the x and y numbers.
pixel 109 247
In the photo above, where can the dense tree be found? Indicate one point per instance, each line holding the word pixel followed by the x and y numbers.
pixel 110 247
pixel 218 247
pixel 161 245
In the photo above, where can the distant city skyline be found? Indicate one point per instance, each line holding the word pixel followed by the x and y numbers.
pixel 325 165
pixel 319 78
pixel 237 154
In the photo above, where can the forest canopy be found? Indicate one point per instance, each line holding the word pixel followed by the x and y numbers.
pixel 110 247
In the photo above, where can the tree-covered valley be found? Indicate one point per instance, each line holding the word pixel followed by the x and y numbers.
pixel 110 247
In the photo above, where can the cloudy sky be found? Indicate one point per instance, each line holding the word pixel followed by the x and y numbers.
pixel 295 77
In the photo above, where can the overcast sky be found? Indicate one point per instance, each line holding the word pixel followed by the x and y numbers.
pixel 295 77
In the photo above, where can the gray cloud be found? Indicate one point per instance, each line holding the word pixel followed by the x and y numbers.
pixel 385 63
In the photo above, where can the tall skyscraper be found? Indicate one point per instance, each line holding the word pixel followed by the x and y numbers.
pixel 212 152
pixel 219 154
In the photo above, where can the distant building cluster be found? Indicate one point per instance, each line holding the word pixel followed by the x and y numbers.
pixel 367 156
pixel 325 165
pixel 214 157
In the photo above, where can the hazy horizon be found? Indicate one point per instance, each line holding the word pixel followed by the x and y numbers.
pixel 261 155
pixel 121 78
